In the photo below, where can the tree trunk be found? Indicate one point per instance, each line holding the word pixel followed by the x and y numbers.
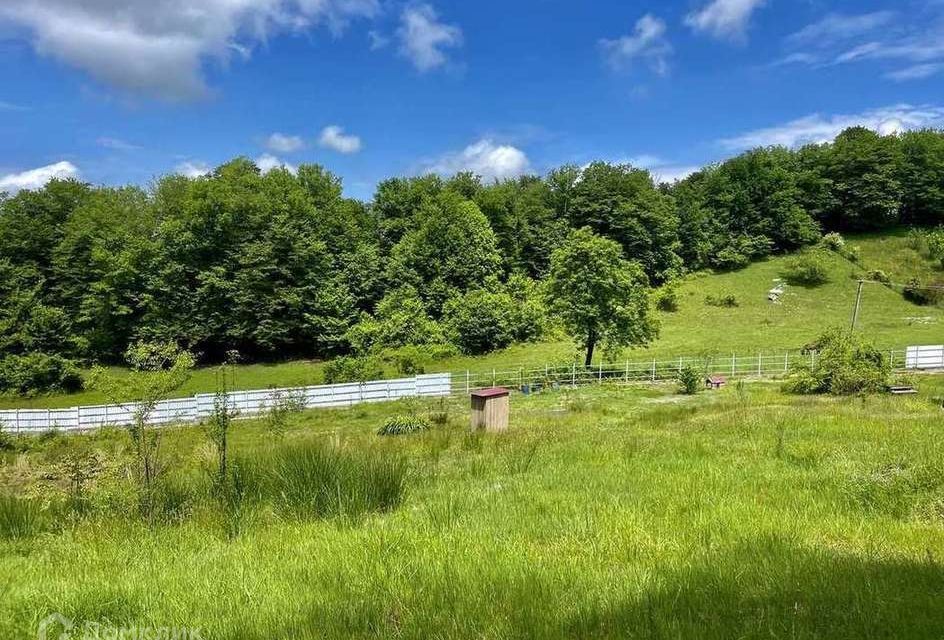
pixel 591 343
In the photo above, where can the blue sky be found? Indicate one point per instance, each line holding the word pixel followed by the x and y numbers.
pixel 118 92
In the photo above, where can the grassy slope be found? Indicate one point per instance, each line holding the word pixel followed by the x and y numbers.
pixel 633 514
pixel 696 328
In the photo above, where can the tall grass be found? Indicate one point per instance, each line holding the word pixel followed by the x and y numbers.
pixel 20 518
pixel 317 480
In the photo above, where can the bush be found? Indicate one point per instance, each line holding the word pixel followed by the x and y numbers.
pixel 402 425
pixel 480 321
pixel 809 269
pixel 925 295
pixel 353 369
pixel 689 380
pixel 834 242
pixel 411 360
pixel 315 480
pixel 935 242
pixel 845 365
pixel 400 319
pixel 667 298
pixel 877 275
pixel 38 373
pixel 728 300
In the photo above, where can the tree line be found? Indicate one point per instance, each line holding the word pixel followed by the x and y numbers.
pixel 279 264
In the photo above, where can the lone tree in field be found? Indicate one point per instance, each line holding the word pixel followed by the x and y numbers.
pixel 598 295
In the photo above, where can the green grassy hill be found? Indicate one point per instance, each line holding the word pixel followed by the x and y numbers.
pixel 696 328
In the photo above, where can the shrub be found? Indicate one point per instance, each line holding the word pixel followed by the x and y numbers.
pixel 314 480
pixel 728 300
pixel 37 373
pixel 667 298
pixel 352 369
pixel 401 425
pixel 480 321
pixel 935 242
pixel 877 275
pixel 689 380
pixel 834 242
pixel 400 319
pixel 845 365
pixel 922 294
pixel 809 269
pixel 412 360
pixel 917 239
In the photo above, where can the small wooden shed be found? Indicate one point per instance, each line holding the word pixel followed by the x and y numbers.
pixel 490 409
pixel 715 382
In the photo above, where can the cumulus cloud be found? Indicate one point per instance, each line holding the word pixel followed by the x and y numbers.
pixel 192 169
pixel 485 158
pixel 724 18
pixel 647 42
pixel 37 178
pixel 158 47
pixel 281 143
pixel 423 37
pixel 267 162
pixel 333 137
pixel 818 128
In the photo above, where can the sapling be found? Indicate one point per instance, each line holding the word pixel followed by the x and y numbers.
pixel 157 370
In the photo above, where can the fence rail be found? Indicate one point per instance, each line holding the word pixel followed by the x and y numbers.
pixel 246 403
pixel 249 403
pixel 758 365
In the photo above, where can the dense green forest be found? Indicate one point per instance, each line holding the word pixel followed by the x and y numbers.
pixel 281 264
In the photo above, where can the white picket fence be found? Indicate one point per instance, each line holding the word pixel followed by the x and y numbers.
pixel 246 403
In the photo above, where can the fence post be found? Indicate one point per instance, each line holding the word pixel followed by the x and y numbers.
pixel 600 376
pixel 573 375
pixel 786 362
pixel 626 376
pixel 760 364
pixel 16 421
pixel 494 379
pixel 733 365
pixel 653 369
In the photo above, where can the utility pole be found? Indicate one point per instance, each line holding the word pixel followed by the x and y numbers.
pixel 858 302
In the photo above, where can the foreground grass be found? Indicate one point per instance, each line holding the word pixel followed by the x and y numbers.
pixel 605 512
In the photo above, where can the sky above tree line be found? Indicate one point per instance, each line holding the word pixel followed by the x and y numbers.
pixel 121 92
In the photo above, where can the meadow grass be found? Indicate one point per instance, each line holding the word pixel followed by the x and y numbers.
pixel 605 512
pixel 695 329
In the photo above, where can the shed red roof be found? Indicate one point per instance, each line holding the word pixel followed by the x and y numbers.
pixel 494 392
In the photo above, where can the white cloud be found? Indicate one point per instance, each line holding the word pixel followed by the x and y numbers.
pixel 9 106
pixel 37 178
pixel 333 137
pixel 485 158
pixel 818 128
pixel 647 41
pixel 192 169
pixel 267 162
pixel 377 40
pixel 671 173
pixel 916 72
pixel 423 37
pixel 724 18
pixel 158 47
pixel 837 26
pixel 116 144
pixel 281 143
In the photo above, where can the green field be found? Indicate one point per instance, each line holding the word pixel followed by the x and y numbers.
pixel 696 329
pixel 605 512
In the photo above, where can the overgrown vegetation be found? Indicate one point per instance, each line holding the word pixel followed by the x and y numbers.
pixel 690 380
pixel 845 364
